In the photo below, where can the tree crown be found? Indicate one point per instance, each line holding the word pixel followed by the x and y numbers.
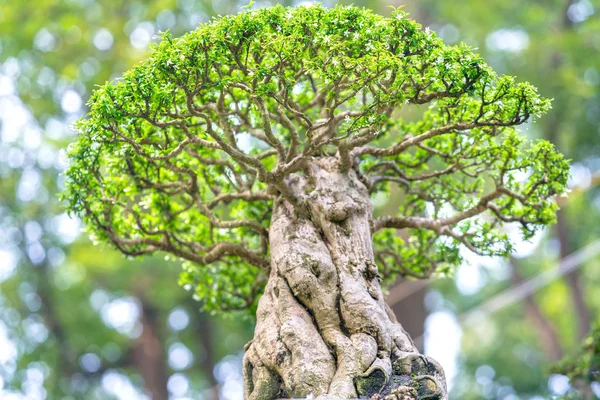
pixel 186 153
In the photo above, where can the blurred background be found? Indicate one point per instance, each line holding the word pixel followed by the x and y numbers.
pixel 79 321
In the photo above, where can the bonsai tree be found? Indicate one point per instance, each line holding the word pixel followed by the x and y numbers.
pixel 252 149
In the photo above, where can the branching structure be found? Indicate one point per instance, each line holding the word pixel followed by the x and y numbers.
pixel 251 148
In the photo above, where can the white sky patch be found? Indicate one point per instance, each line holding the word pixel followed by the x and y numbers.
pixel 495 266
pixel 44 40
pixel 34 383
pixel 103 39
pixel 8 266
pixel 429 209
pixel 98 299
pixel 65 227
pixel 523 248
pixel 15 118
pixel 178 384
pixel 56 129
pixel 596 389
pixel 36 252
pixel 484 328
pixel 46 77
pixel 581 176
pixel 469 279
pixel 142 35
pixel 89 68
pixel 15 158
pixel 559 384
pixel 120 386
pixel 379 199
pixel 33 231
pixel 442 341
pixel 580 11
pixel 298 88
pixel 444 212
pixel 7 86
pixel 121 314
pixel 232 390
pixel 29 184
pixel 178 319
pixel 511 40
pixel 9 348
pixel 46 156
pixel 11 67
pixel 485 375
pixel 498 269
pixel 180 357
pixel 9 395
pixel 56 256
pixel 166 19
pixel 305 3
pixel 33 302
pixel 62 162
pixel 245 141
pixel 35 329
pixel 449 33
pixel 90 362
pixel 71 101
pixel 228 373
pixel 32 137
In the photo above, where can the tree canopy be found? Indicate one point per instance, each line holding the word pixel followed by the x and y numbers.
pixel 186 153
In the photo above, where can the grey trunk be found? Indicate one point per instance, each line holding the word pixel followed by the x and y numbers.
pixel 323 327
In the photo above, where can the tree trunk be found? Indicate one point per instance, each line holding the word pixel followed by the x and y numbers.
pixel 582 314
pixel 411 309
pixel 549 338
pixel 148 355
pixel 323 327
pixel 204 329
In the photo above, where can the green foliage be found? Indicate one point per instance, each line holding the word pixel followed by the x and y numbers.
pixel 185 153
pixel 583 367
pixel 531 169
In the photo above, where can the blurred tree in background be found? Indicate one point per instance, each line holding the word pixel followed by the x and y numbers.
pixel 77 321
pixel 81 322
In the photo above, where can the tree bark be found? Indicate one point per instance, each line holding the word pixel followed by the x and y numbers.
pixel 323 327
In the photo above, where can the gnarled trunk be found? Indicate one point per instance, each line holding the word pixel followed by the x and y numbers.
pixel 323 327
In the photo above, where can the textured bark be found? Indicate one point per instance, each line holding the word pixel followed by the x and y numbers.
pixel 323 327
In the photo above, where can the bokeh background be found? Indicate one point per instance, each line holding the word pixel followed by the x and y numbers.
pixel 79 321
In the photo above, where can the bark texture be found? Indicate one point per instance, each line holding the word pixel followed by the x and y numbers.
pixel 323 327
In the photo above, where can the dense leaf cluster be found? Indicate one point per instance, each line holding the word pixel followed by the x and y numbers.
pixel 186 153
